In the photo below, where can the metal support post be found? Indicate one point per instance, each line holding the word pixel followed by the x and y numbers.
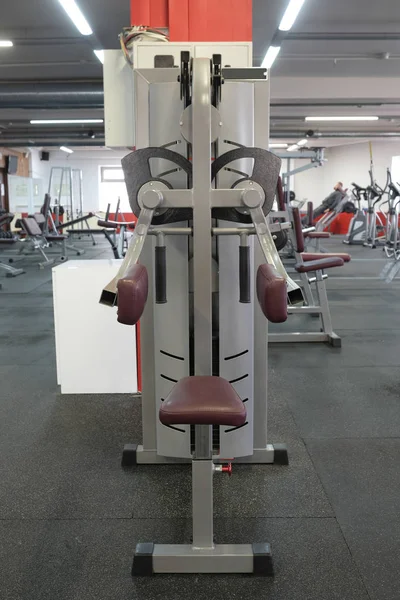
pixel 202 503
pixel 323 303
pixel 202 240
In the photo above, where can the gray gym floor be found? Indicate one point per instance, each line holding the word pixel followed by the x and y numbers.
pixel 70 516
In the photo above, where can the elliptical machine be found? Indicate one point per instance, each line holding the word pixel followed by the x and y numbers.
pixel 358 225
pixel 392 217
pixel 374 222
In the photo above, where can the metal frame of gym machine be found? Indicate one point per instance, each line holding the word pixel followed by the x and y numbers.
pixel 165 346
pixel 316 302
pixel 155 92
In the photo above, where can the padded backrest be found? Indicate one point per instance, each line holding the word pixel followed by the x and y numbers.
pixel 298 229
pixel 132 294
pixel 6 218
pixel 45 209
pixel 272 294
pixel 31 227
pixel 40 220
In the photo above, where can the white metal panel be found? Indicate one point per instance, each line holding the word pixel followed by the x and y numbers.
pixel 144 53
pixel 236 334
pixel 118 101
pixel 171 336
pixel 237 116
pixel 165 115
pixel 234 54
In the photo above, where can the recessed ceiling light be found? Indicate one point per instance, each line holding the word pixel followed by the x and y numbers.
pixel 302 142
pixel 278 145
pixel 65 149
pixel 6 44
pixel 342 118
pixel 76 16
pixel 293 148
pixel 63 121
pixel 100 55
pixel 288 19
pixel 270 56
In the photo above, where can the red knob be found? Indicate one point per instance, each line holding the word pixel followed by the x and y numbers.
pixel 227 469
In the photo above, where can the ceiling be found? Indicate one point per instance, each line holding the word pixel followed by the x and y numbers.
pixel 340 58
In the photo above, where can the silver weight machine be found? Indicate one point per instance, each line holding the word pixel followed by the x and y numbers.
pixel 202 207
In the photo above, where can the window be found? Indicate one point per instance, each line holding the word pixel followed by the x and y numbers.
pixel 111 174
pixel 112 188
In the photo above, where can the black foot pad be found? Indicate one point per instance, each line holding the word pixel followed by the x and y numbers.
pixel 262 560
pixel 280 454
pixel 335 341
pixel 129 455
pixel 143 560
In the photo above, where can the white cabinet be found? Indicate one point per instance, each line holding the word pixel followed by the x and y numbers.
pixel 95 353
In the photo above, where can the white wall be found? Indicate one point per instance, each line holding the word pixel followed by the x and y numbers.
pixel 89 160
pixel 349 164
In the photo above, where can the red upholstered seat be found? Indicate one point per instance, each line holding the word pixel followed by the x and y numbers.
pixel 203 400
pixel 319 265
pixel 318 235
pixel 306 256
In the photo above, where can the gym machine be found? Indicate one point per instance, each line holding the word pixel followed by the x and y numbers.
pixel 7 240
pixel 391 247
pixel 51 230
pixel 203 336
pixel 392 217
pixel 310 267
pixel 358 225
pixel 116 232
pixel 374 222
pixel 36 241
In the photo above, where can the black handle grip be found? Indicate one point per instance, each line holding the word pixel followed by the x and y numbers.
pixel 244 274
pixel 161 275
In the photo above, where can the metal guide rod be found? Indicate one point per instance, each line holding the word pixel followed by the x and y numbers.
pixel 273 227
pixel 169 231
pixel 202 244
pixel 271 254
pixel 109 293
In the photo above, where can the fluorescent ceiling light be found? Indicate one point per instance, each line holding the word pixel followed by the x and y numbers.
pixel 100 55
pixel 288 19
pixel 342 118
pixel 302 142
pixel 65 149
pixel 6 44
pixel 76 16
pixel 63 121
pixel 278 145
pixel 293 148
pixel 270 57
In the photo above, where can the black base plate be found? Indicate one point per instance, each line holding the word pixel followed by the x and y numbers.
pixel 281 456
pixel 262 560
pixel 129 455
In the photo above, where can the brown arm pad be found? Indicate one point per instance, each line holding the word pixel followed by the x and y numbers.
pixel 132 295
pixel 272 294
